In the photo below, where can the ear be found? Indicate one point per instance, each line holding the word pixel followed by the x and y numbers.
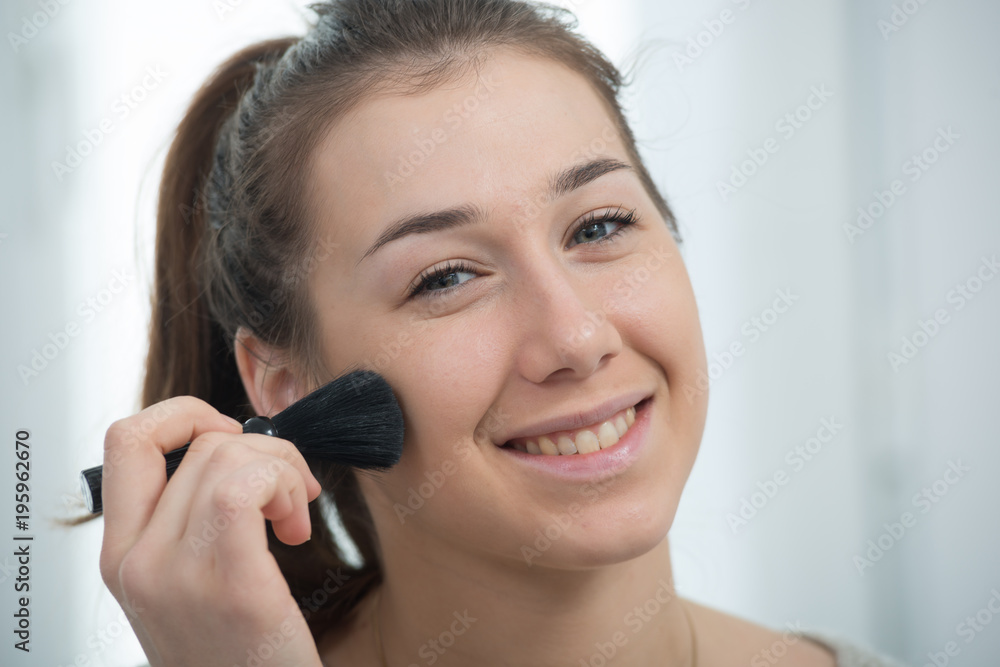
pixel 268 376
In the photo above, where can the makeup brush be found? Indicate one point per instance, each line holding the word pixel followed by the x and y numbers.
pixel 353 420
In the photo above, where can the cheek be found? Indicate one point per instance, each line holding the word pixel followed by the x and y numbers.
pixel 444 376
pixel 446 381
pixel 657 317
pixel 653 307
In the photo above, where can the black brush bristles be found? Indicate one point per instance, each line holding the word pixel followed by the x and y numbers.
pixel 354 420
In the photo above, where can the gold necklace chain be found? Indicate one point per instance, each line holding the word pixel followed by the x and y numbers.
pixel 377 631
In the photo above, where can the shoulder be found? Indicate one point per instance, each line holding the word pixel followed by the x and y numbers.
pixel 724 639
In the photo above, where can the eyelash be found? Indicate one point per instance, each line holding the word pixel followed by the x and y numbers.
pixel 623 217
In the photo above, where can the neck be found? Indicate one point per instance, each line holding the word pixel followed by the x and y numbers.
pixel 467 610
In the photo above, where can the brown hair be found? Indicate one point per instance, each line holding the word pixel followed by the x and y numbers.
pixel 233 225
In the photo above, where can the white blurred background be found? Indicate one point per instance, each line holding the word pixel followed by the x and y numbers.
pixel 720 84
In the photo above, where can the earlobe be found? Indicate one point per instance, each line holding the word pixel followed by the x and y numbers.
pixel 268 377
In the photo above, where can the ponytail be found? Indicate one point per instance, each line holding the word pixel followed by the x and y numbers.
pixel 191 352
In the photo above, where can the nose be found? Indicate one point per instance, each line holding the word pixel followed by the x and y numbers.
pixel 566 330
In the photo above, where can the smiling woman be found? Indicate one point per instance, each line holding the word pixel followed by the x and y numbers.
pixel 523 270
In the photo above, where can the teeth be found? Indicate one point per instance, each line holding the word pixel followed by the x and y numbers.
pixel 584 441
pixel 587 442
pixel 607 435
pixel 549 447
pixel 566 446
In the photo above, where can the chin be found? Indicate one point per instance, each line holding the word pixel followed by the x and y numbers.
pixel 600 536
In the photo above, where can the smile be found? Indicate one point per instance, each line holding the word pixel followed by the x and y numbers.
pixel 585 440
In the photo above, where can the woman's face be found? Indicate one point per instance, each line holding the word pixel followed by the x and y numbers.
pixel 548 306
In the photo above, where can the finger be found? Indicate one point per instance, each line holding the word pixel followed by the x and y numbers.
pixel 231 508
pixel 134 472
pixel 239 477
pixel 219 454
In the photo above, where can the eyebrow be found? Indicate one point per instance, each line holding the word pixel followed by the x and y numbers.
pixel 561 184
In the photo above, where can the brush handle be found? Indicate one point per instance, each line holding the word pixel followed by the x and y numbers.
pixel 91 478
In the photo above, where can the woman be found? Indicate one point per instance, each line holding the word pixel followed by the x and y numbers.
pixel 446 192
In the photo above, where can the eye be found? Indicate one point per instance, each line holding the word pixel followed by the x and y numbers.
pixel 443 279
pixel 593 228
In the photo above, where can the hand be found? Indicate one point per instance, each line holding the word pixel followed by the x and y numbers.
pixel 188 561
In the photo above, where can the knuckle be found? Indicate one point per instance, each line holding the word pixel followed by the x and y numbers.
pixel 128 431
pixel 208 443
pixel 183 404
pixel 203 444
pixel 228 452
pixel 288 452
pixel 292 474
pixel 116 435
pixel 278 471
pixel 227 495
pixel 279 464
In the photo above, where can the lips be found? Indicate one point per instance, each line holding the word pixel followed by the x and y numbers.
pixel 581 432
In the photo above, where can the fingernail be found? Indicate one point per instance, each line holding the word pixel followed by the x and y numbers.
pixel 234 422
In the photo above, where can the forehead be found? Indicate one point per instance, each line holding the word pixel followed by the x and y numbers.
pixel 492 137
